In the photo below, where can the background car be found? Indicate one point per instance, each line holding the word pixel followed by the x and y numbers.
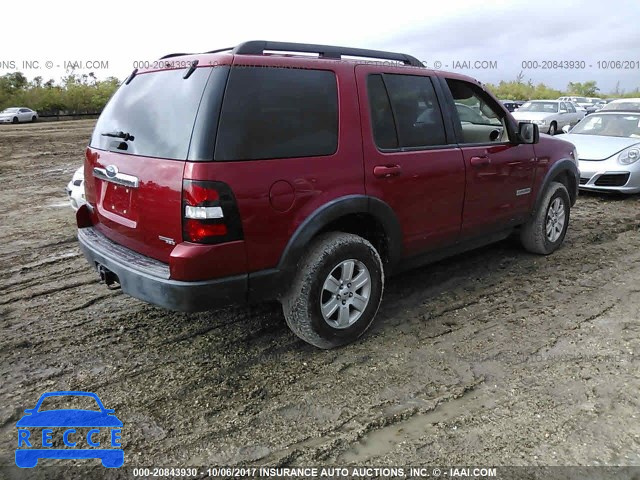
pixel 18 114
pixel 510 105
pixel 470 115
pixel 623 104
pixel 596 104
pixel 608 145
pixel 581 111
pixel 583 102
pixel 549 115
pixel 75 189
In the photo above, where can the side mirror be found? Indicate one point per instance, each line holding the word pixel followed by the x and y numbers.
pixel 528 133
pixel 566 129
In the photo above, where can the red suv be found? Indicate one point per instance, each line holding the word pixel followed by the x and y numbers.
pixel 244 174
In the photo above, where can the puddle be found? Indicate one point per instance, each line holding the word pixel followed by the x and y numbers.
pixel 381 441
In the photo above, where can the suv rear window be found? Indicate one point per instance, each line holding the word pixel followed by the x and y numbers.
pixel 278 113
pixel 158 109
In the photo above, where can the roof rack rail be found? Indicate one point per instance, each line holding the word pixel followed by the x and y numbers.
pixel 220 50
pixel 257 47
pixel 175 55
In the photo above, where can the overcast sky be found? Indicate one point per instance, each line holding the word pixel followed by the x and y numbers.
pixel 506 32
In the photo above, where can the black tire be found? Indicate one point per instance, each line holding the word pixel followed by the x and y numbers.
pixel 553 128
pixel 33 119
pixel 533 234
pixel 15 120
pixel 302 303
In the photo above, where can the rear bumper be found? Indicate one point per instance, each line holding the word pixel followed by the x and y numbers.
pixel 148 279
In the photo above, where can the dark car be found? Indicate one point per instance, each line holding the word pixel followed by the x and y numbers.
pixel 245 174
pixel 511 105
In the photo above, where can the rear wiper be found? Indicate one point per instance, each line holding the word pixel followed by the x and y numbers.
pixel 192 69
pixel 125 136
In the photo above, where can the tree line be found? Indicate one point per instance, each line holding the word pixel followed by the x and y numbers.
pixel 78 94
pixel 74 94
pixel 518 89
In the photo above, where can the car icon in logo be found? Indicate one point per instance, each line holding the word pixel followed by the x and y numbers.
pixel 111 170
pixel 81 433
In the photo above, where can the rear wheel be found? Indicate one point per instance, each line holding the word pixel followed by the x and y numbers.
pixel 336 291
pixel 545 231
pixel 15 120
pixel 33 119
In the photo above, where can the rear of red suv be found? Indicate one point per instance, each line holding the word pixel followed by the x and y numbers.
pixel 159 234
pixel 199 173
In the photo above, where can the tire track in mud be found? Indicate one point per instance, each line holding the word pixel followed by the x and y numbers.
pixel 28 279
pixel 46 292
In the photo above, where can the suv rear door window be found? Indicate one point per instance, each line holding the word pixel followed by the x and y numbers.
pixel 158 109
pixel 278 113
pixel 404 111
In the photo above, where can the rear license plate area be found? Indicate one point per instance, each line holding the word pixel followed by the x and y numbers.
pixel 117 199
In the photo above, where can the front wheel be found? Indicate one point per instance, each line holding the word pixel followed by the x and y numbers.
pixel 336 291
pixel 552 128
pixel 15 120
pixel 545 231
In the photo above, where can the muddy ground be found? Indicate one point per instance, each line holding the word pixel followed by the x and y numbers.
pixel 495 357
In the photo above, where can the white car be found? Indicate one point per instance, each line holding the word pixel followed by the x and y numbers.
pixel 583 102
pixel 626 104
pixel 18 114
pixel 608 146
pixel 550 115
pixel 75 189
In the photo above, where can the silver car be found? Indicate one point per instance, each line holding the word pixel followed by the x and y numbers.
pixel 608 145
pixel 625 104
pixel 550 115
pixel 18 114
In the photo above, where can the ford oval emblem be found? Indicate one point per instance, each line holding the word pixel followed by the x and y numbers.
pixel 111 170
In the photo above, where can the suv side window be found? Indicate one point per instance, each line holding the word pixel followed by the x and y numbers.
pixel 278 113
pixel 571 108
pixel 480 119
pixel 384 128
pixel 404 111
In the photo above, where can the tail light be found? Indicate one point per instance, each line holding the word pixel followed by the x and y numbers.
pixel 209 213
